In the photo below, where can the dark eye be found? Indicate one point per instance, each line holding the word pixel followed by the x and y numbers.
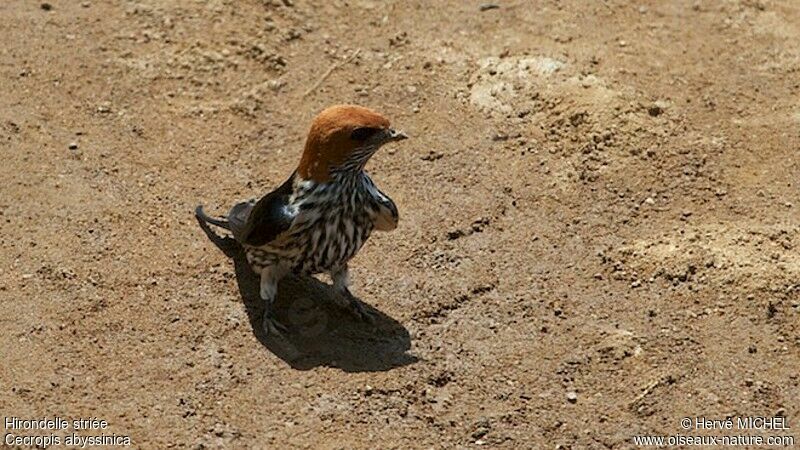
pixel 362 134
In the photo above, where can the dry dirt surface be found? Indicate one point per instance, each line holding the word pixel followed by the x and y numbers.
pixel 600 220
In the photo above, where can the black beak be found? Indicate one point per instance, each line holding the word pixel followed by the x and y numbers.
pixel 395 135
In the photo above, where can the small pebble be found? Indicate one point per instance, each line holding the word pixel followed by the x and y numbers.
pixel 655 110
pixel 46 6
pixel 499 137
pixel 73 145
pixel 572 397
pixel 488 6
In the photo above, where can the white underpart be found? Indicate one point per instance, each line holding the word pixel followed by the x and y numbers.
pixel 328 233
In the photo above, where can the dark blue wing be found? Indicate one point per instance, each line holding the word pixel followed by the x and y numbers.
pixel 258 223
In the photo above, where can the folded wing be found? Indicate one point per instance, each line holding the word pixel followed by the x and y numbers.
pixel 259 223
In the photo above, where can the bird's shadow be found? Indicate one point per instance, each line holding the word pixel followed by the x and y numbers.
pixel 320 333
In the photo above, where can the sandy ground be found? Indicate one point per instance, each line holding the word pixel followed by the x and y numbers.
pixel 599 220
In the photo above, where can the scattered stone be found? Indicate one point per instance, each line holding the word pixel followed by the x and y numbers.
pixel 578 118
pixel 46 6
pixel 455 234
pixel 489 6
pixel 771 310
pixel 572 397
pixel 479 224
pixel 291 35
pixel 480 432
pixel 399 39
pixel 482 428
pixel 650 201
pixel 655 110
pixel 499 137
pixel 432 156
pixel 73 145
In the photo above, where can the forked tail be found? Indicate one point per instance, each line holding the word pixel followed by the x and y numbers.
pixel 223 223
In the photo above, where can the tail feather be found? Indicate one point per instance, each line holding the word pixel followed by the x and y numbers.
pixel 222 223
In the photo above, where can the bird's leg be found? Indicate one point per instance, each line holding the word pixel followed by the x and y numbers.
pixel 270 276
pixel 346 299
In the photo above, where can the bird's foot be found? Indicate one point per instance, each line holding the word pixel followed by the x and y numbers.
pixel 356 307
pixel 363 314
pixel 271 325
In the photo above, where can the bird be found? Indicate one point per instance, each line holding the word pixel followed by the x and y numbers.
pixel 321 216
